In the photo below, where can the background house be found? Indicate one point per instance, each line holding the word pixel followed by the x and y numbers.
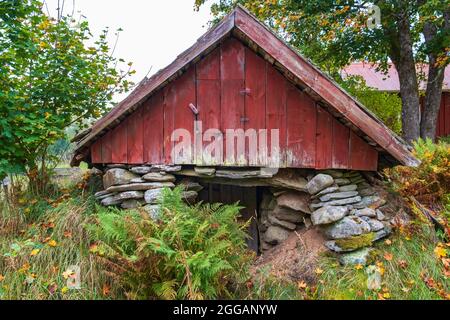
pixel 389 83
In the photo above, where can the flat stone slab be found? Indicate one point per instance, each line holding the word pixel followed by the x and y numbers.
pixel 285 224
pixel 297 201
pixel 342 181
pixel 373 202
pixel 325 191
pixel 159 177
pixel 340 202
pixel 287 214
pixel 141 186
pixel 129 195
pixel 349 187
pixel 365 212
pixel 338 195
pixel 205 171
pixel 238 174
pixel 141 170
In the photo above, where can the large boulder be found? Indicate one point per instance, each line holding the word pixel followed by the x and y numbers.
pixel 117 176
pixel 275 235
pixel 328 214
pixel 347 227
pixel 298 201
pixel 289 179
pixel 319 182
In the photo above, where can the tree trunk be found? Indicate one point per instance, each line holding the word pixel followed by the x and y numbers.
pixel 433 93
pixel 409 90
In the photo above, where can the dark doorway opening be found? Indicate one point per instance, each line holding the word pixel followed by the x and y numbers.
pixel 248 197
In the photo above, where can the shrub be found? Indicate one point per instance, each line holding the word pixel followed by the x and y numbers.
pixel 190 252
pixel 428 184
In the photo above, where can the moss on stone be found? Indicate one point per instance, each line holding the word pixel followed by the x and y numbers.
pixel 356 242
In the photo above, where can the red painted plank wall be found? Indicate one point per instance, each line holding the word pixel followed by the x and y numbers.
pixel 234 88
pixel 443 123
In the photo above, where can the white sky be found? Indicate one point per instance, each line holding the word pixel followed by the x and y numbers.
pixel 154 31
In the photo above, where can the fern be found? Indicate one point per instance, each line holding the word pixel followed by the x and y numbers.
pixel 191 252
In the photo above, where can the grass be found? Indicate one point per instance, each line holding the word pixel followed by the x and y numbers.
pixel 409 266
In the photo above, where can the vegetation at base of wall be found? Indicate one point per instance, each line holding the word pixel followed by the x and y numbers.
pixel 190 252
pixel 412 264
pixel 426 188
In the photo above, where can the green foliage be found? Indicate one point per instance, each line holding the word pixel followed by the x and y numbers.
pixel 49 79
pixel 410 271
pixel 334 33
pixel 191 252
pixel 386 106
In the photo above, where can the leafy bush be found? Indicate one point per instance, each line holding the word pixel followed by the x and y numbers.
pixel 190 252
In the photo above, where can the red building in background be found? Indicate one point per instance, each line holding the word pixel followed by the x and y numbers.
pixel 390 83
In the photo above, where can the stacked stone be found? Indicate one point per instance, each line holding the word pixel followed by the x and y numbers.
pixel 282 212
pixel 142 186
pixel 346 207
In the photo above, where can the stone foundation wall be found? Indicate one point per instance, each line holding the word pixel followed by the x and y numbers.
pixel 342 204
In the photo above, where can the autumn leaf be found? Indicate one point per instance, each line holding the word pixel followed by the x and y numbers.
pixel 2 278
pixel 388 256
pixel 388 242
pixel 34 252
pixel 318 271
pixel 440 251
pixel 67 234
pixel 359 266
pixel 64 290
pixel 68 273
pixel 52 243
pixel 302 285
pixel 403 264
pixel 106 289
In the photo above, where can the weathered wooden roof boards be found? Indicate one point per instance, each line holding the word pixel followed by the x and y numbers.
pixel 241 75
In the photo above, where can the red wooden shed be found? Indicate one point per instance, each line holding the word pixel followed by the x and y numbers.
pixel 240 75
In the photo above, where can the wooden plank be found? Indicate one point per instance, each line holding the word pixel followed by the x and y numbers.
pixel 276 89
pixel 208 100
pixel 135 138
pixel 322 86
pixel 362 156
pixel 255 104
pixel 324 142
pixel 341 144
pixel 232 101
pixel 107 147
pixel 446 107
pixel 119 143
pixel 153 120
pixel 96 151
pixel 209 67
pixel 184 89
pixel 301 129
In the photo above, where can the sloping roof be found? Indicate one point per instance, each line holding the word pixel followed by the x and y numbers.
pixel 298 69
pixel 387 82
